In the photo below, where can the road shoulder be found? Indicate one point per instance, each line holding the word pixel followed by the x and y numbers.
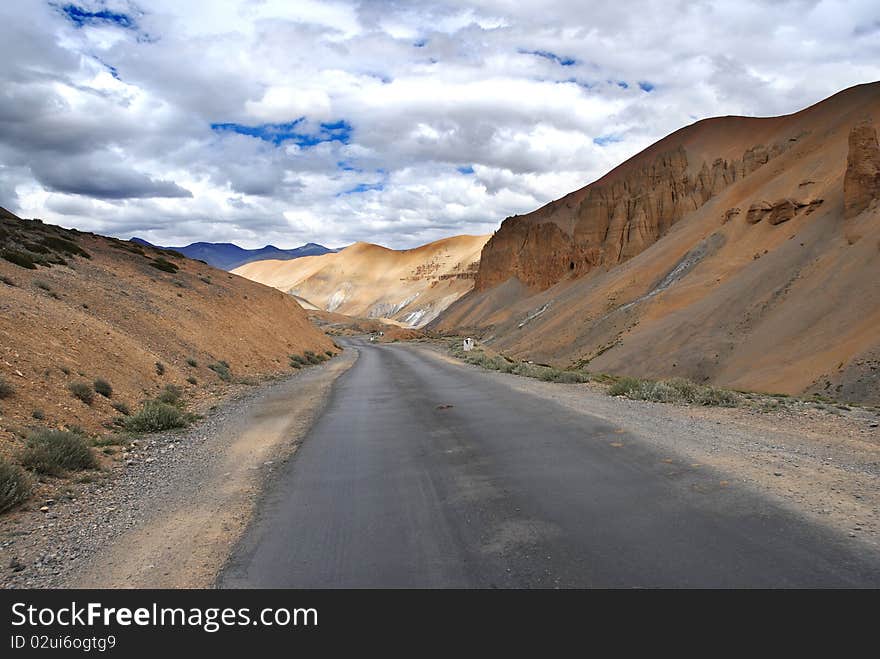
pixel 172 518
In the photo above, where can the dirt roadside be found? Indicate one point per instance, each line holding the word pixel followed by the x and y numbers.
pixel 822 464
pixel 170 520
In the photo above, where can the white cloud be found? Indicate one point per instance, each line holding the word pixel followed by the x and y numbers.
pixel 392 122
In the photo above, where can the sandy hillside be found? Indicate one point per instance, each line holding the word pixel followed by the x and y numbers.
pixel 98 307
pixel 738 251
pixel 408 286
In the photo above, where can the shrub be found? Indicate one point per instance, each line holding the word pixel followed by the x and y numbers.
pixel 6 280
pixel 674 390
pixel 103 387
pixel 165 266
pixel 56 451
pixel 192 380
pixel 156 416
pixel 192 362
pixel 296 359
pixel 38 415
pixel 20 259
pixel 623 387
pixel 329 353
pixel 67 246
pixel 15 486
pixel 39 283
pixel 83 391
pixel 160 368
pixel 170 395
pixel 121 407
pixel 6 389
pixel 717 397
pixel 221 368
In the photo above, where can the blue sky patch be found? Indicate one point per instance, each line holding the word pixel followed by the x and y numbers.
pixel 338 131
pixel 646 86
pixel 465 170
pixel 622 84
pixel 363 187
pixel 80 17
pixel 605 140
pixel 553 57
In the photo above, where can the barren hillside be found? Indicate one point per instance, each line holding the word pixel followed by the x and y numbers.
pixel 408 286
pixel 738 251
pixel 77 307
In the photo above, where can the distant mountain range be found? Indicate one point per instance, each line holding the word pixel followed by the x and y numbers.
pixel 228 256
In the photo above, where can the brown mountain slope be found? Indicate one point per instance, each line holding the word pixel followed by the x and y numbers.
pixel 113 315
pixel 722 253
pixel 408 286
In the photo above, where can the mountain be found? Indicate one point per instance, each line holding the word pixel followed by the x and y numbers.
pixel 408 286
pixel 228 256
pixel 737 251
pixel 75 307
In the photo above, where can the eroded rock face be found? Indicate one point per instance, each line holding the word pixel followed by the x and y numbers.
pixel 607 222
pixel 784 210
pixel 781 210
pixel 758 211
pixel 861 184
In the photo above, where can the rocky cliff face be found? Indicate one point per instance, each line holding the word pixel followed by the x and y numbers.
pixel 608 222
pixel 861 184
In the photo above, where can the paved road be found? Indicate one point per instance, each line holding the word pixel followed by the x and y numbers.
pixel 422 473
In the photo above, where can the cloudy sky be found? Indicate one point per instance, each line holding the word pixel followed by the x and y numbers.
pixel 262 121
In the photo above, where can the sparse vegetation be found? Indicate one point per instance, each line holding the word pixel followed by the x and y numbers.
pixel 192 362
pixel 221 368
pixel 192 380
pixel 83 391
pixel 6 389
pixel 54 452
pixel 164 265
pixel 21 259
pixel 103 388
pixel 298 360
pixel 160 368
pixel 329 353
pixel 170 395
pixel 674 390
pixel 121 407
pixel 6 280
pixel 156 416
pixel 66 246
pixel 15 486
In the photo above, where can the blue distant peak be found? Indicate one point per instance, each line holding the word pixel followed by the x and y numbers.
pixel 80 17
pixel 338 131
pixel 553 57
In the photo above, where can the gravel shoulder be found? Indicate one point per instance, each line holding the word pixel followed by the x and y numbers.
pixel 821 464
pixel 171 517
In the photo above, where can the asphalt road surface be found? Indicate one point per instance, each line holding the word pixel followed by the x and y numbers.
pixel 423 473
